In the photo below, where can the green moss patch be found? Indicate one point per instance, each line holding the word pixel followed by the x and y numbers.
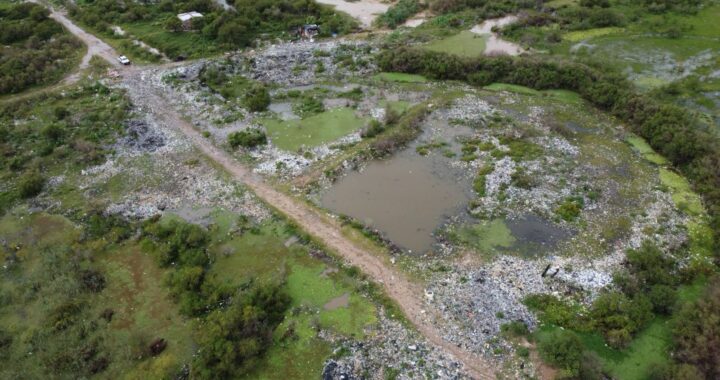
pixel 313 131
pixel 465 43
pixel 487 237
pixel 683 196
pixel 646 150
pixel 401 77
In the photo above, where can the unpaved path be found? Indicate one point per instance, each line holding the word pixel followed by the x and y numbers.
pixel 366 11
pixel 407 294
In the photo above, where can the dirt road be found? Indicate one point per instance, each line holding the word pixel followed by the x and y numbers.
pixel 408 295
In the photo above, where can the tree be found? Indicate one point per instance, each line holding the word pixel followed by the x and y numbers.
pixel 696 332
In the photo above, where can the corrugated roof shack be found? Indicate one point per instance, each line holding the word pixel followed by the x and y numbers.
pixel 186 18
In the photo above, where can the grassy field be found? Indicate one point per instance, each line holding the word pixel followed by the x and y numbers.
pixel 401 77
pixel 465 43
pixel 312 131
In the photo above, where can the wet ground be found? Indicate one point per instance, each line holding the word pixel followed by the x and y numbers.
pixel 535 235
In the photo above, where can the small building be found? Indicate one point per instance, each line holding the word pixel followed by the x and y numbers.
pixel 186 18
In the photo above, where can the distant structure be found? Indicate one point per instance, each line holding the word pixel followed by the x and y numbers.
pixel 308 31
pixel 186 18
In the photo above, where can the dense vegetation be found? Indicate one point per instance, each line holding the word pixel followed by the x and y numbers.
pixel 34 49
pixel 157 25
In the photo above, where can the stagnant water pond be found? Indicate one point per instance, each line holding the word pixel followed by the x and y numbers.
pixel 408 196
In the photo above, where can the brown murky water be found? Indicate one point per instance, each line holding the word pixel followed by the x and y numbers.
pixel 407 197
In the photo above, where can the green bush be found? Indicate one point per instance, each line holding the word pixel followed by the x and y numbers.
pixel 257 98
pixel 564 350
pixel 31 184
pixel 619 317
pixel 570 208
pixel 248 138
pixel 232 340
pixel 696 333
pixel 398 13
pixel 308 106
pixel 515 329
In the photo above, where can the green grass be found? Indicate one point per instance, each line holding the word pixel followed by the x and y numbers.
pixel 682 195
pixel 313 131
pixel 565 96
pixel 642 147
pixel 309 287
pixel 648 349
pixel 465 43
pixel 512 88
pixel 581 35
pixel 401 77
pixel 302 357
pixel 399 106
pixel 143 310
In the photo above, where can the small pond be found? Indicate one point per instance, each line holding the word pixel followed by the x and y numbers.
pixel 407 196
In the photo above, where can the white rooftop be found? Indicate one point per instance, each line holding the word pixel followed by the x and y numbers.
pixel 189 15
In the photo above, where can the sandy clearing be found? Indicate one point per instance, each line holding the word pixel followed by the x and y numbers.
pixel 366 11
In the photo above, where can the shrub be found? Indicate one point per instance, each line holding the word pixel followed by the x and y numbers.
pixel 309 105
pixel 257 98
pixel 248 138
pixel 619 317
pixel 374 128
pixel 31 184
pixel 233 339
pixel 515 329
pixel 563 349
pixel 570 208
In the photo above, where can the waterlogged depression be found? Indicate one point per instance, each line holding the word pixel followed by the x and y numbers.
pixel 408 196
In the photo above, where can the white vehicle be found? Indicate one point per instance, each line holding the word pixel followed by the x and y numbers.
pixel 123 60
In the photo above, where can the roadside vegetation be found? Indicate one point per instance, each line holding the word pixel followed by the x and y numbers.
pixel 34 50
pixel 157 25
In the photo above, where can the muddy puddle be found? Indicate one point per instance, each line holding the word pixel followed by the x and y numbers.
pixel 534 235
pixel 284 110
pixel 494 44
pixel 407 197
pixel 338 302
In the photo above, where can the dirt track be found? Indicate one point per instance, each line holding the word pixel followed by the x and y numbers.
pixel 408 295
